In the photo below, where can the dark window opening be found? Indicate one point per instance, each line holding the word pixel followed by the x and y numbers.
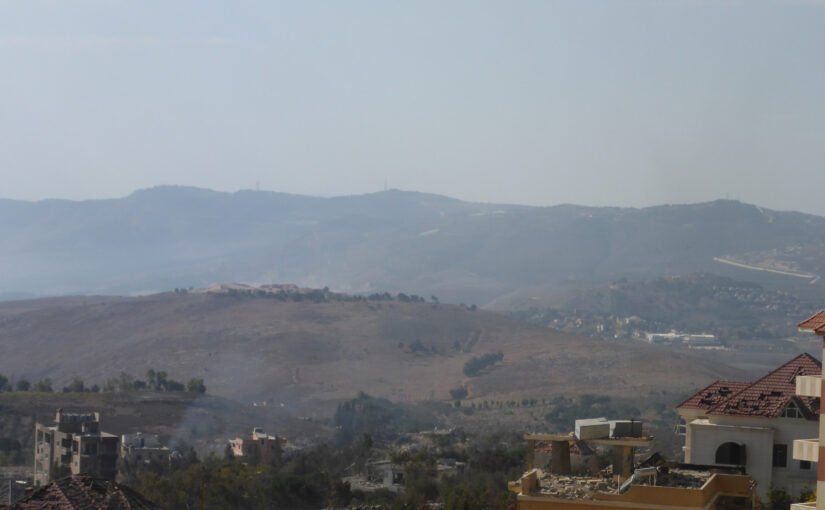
pixel 731 453
pixel 780 455
pixel 804 464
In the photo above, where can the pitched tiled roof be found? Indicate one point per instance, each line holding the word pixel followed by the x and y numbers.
pixel 815 323
pixel 714 394
pixel 765 398
pixel 83 493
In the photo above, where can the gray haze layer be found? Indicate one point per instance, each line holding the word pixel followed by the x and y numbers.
pixel 167 237
pixel 629 103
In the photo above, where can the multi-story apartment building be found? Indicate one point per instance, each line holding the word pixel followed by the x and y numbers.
pixel 74 445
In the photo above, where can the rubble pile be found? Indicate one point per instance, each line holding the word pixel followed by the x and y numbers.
pixel 684 478
pixel 573 487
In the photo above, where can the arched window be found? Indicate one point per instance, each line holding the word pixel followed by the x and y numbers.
pixel 792 411
pixel 730 453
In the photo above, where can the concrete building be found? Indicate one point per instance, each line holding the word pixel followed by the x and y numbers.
pixel 689 339
pixel 810 449
pixel 74 445
pixel 257 447
pixel 142 448
pixel 754 425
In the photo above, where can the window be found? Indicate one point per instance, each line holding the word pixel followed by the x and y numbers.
pixel 731 453
pixel 791 411
pixel 804 464
pixel 780 455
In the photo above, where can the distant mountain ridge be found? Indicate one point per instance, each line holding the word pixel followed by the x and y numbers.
pixel 166 237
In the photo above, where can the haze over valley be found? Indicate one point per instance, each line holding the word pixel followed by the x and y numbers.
pixel 411 256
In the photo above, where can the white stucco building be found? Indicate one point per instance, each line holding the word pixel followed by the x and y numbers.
pixel 754 425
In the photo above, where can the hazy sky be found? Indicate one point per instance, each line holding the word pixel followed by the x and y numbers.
pixel 601 103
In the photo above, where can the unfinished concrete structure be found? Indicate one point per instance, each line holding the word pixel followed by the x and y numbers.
pixel 257 447
pixel 661 485
pixel 755 425
pixel 74 445
pixel 139 447
pixel 619 435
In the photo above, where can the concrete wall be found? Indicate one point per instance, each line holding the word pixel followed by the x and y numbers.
pixel 758 435
pixel 647 496
pixel 92 454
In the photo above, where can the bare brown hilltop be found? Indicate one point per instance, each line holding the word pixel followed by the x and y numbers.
pixel 309 354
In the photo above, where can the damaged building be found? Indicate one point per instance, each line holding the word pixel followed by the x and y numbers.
pixel 549 483
pixel 257 447
pixel 74 445
pixel 755 425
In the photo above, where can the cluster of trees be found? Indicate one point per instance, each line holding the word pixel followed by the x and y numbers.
pixel 478 363
pixel 312 478
pixel 381 418
pixel 155 381
pixel 23 384
pixel 322 295
pixel 498 404
pixel 325 296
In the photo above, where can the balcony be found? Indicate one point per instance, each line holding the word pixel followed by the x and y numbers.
pixel 806 449
pixel 803 506
pixel 808 386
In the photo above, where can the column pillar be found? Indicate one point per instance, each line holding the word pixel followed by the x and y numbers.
pixel 820 466
pixel 560 458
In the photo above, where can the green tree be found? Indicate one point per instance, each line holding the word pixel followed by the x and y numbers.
pixel 76 386
pixel 44 385
pixel 161 383
pixel 23 384
pixel 195 385
pixel 125 382
pixel 110 385
pixel 4 383
pixel 151 379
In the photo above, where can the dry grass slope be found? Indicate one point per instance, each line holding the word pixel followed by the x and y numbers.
pixel 311 355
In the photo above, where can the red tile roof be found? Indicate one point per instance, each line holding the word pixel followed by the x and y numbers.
pixel 815 323
pixel 766 397
pixel 83 493
pixel 714 394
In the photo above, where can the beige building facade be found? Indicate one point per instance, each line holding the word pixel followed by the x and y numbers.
pixel 74 445
pixel 755 425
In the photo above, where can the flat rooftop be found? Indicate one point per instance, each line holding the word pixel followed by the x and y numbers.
pixel 584 487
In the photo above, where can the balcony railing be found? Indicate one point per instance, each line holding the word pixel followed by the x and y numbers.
pixel 806 449
pixel 803 506
pixel 808 386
